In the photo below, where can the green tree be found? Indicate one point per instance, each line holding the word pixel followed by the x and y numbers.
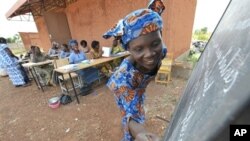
pixel 14 39
pixel 204 30
pixel 201 34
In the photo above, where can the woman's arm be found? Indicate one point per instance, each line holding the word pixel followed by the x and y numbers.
pixel 139 132
pixel 135 128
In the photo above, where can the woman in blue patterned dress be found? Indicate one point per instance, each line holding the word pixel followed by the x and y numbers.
pixel 8 61
pixel 140 34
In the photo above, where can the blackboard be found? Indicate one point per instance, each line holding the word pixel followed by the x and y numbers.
pixel 218 91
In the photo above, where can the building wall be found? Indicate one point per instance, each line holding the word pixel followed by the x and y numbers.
pixel 90 19
pixel 43 33
pixel 30 38
pixel 57 25
pixel 180 19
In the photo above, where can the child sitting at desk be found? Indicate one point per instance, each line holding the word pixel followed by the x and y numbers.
pixel 88 75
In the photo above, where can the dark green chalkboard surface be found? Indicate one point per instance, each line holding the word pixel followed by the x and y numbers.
pixel 218 91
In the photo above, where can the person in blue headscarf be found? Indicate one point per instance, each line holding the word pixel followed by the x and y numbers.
pixel 9 61
pixel 65 52
pixel 88 75
pixel 140 34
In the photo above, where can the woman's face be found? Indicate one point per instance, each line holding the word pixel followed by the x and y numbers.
pixel 75 47
pixel 97 48
pixel 37 50
pixel 66 49
pixel 115 43
pixel 146 50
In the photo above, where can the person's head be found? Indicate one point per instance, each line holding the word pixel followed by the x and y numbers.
pixel 53 45
pixel 32 49
pixel 65 48
pixel 74 45
pixel 83 43
pixel 141 36
pixel 95 45
pixel 115 43
pixel 3 40
pixel 36 50
pixel 157 6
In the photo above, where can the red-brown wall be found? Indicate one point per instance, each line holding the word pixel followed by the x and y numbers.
pixel 30 38
pixel 88 20
pixel 180 19
pixel 43 33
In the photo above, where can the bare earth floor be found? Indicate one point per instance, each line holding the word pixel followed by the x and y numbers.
pixel 25 115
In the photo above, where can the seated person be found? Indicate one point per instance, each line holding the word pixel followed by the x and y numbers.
pixel 45 71
pixel 116 47
pixel 28 55
pixel 86 49
pixel 88 75
pixel 96 49
pixel 106 68
pixel 54 50
pixel 65 51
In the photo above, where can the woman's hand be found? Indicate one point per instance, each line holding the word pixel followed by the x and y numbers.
pixel 147 137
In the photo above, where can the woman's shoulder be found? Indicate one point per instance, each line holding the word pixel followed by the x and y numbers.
pixel 126 64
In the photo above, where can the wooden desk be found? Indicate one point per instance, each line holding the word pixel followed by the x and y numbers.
pixel 31 68
pixel 81 66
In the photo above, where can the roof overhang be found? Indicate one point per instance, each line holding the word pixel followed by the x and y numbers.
pixel 36 7
pixel 14 10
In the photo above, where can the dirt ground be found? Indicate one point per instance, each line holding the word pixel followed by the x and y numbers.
pixel 25 115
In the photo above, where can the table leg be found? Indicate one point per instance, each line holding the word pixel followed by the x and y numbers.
pixel 71 80
pixel 40 85
pixel 33 76
pixel 65 84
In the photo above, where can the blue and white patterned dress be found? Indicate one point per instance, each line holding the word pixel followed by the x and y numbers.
pixel 11 66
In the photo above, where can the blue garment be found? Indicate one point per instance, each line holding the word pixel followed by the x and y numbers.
pixel 64 54
pixel 128 85
pixel 137 23
pixel 73 42
pixel 12 66
pixel 75 58
pixel 53 51
pixel 88 75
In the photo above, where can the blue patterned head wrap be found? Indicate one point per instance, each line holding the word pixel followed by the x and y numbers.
pixel 157 6
pixel 137 23
pixel 73 43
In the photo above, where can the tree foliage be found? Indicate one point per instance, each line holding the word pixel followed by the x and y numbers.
pixel 14 39
pixel 201 34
